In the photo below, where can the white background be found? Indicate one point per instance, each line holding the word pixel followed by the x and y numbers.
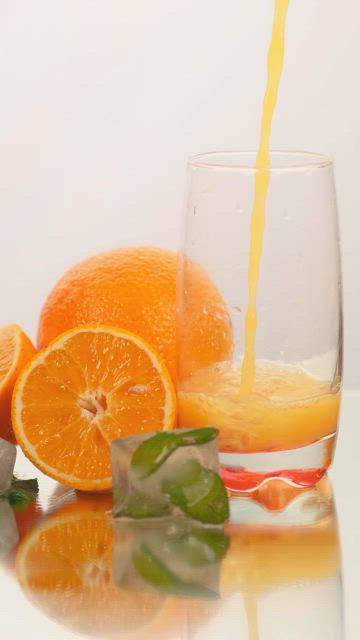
pixel 103 100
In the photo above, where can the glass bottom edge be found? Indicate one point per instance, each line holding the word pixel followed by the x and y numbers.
pixel 302 467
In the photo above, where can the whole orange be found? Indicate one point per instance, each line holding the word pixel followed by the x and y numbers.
pixel 135 288
pixel 16 350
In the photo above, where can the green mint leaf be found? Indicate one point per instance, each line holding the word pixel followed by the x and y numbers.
pixel 198 436
pixel 156 573
pixel 22 493
pixel 143 506
pixel 199 492
pixel 151 453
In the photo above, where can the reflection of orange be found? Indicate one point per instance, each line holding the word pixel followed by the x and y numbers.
pixel 65 567
pixel 88 387
pixel 15 352
pixel 135 288
pixel 25 519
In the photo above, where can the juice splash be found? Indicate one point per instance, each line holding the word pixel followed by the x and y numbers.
pixel 262 179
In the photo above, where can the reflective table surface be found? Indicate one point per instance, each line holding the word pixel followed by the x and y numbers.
pixel 285 567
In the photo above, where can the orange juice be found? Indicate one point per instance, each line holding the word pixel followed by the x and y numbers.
pixel 287 408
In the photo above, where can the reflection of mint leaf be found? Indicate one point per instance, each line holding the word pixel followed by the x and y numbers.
pixel 217 541
pixel 199 492
pixel 151 453
pixel 21 493
pixel 141 505
pixel 155 572
pixel 206 546
pixel 200 547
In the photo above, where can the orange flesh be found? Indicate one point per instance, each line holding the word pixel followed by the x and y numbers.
pixel 89 387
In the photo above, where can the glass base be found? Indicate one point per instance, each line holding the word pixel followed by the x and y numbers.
pixel 302 467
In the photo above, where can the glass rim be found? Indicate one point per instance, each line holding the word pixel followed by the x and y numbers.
pixel 235 160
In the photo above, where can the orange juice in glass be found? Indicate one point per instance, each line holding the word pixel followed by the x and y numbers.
pixel 266 369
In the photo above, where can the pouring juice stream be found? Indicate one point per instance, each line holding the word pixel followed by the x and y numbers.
pixel 262 179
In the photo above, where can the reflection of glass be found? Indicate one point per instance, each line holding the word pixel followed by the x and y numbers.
pixel 277 503
pixel 285 424
pixel 279 581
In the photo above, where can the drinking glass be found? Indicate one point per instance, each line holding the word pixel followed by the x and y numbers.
pixel 282 424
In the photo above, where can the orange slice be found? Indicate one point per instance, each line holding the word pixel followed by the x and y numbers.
pixel 15 352
pixel 90 386
pixel 65 567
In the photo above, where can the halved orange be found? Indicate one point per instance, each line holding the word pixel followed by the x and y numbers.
pixel 91 385
pixel 65 567
pixel 15 352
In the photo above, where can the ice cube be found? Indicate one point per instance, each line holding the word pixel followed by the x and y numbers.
pixel 7 463
pixel 175 556
pixel 9 535
pixel 167 473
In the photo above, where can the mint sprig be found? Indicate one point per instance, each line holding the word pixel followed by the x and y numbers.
pixel 153 452
pixel 199 492
pixel 140 505
pixel 21 493
pixel 198 436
